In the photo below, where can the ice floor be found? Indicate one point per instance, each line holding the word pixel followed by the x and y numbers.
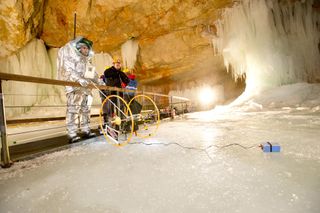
pixel 95 176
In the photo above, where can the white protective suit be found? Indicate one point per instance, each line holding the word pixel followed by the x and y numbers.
pixel 73 66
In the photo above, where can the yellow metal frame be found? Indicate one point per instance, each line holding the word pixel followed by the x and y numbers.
pixel 158 115
pixel 128 110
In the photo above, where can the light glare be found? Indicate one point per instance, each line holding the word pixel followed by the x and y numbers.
pixel 206 96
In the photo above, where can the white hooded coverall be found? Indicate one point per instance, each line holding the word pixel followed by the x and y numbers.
pixel 72 66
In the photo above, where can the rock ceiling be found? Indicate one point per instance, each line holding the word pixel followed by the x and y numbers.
pixel 174 35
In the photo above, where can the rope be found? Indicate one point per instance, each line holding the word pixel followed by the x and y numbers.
pixel 205 150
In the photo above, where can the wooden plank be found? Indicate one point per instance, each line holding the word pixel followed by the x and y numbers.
pixel 29 120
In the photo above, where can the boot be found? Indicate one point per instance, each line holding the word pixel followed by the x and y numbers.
pixel 89 135
pixel 74 139
pixel 100 130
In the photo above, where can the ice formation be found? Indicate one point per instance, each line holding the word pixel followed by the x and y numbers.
pixel 129 51
pixel 32 60
pixel 271 43
pixel 35 60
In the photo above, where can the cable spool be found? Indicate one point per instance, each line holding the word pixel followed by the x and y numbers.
pixel 116 121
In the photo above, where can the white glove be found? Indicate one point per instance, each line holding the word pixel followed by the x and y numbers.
pixel 83 82
pixel 101 82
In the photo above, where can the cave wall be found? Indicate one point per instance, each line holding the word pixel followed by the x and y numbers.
pixel 174 39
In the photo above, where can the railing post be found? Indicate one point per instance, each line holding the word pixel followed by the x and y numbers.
pixel 172 113
pixel 5 155
pixel 118 105
pixel 182 108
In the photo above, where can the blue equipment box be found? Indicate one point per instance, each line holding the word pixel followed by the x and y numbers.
pixel 268 147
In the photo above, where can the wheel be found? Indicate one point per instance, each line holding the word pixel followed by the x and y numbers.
pixel 118 114
pixel 148 118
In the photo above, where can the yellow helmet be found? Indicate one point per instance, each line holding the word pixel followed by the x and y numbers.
pixel 116 60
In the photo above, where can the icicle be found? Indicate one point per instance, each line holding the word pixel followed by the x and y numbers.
pixel 129 51
pixel 271 43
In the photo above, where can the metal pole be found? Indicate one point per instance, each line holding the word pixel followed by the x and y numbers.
pixel 74 25
pixel 118 105
pixel 5 155
pixel 182 109
pixel 171 107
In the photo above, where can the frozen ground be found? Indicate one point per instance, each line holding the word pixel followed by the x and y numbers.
pixel 97 177
pixel 184 170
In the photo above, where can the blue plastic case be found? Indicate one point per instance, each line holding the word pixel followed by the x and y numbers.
pixel 271 147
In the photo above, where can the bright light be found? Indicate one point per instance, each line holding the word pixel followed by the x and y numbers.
pixel 206 96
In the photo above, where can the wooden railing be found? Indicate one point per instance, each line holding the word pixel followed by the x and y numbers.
pixel 5 155
pixel 30 79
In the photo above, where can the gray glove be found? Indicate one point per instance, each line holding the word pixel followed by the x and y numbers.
pixel 83 82
pixel 101 82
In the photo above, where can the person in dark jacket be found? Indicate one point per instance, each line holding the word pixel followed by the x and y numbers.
pixel 103 95
pixel 114 77
pixel 133 84
pixel 135 106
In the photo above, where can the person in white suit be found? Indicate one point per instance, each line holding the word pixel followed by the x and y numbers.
pixel 74 64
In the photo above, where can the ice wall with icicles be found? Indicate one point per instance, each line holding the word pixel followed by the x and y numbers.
pixel 270 43
pixel 21 97
pixel 35 60
pixel 129 51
